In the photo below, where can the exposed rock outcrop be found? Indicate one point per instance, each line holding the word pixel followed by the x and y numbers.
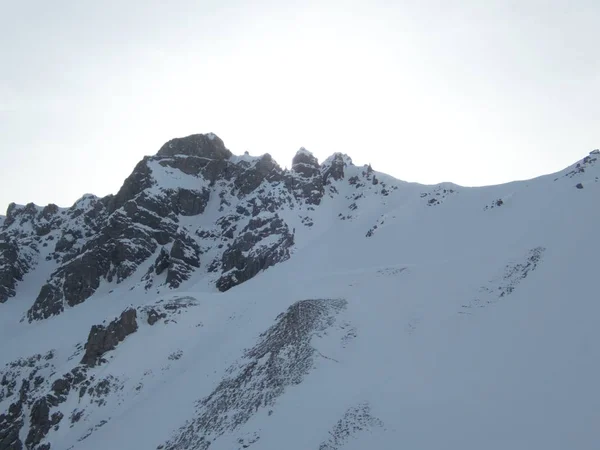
pixel 263 243
pixel 13 266
pixel 103 339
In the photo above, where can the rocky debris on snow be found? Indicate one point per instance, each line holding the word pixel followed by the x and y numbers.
pixel 390 271
pixel 514 274
pixel 307 221
pixel 99 392
pixel 356 420
pixel 438 195
pixel 582 165
pixel 350 333
pixel 167 309
pixel 282 357
pixel 247 442
pixel 495 204
pixel 379 223
pixel 175 356
pixel 579 186
pixel 90 431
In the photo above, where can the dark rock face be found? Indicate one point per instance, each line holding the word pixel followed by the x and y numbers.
pixel 140 179
pixel 183 258
pixel 244 258
pixel 103 339
pixel 128 237
pixel 190 203
pixel 12 268
pixel 204 146
pixel 40 422
pixel 335 169
pixel 305 164
pixel 11 423
pixel 62 386
pixel 305 180
pixel 105 257
pixel 309 189
pixel 264 169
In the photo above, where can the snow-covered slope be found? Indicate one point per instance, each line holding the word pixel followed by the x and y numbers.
pixel 218 301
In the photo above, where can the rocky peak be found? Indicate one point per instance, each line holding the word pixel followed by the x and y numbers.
pixel 201 145
pixel 305 163
pixel 333 167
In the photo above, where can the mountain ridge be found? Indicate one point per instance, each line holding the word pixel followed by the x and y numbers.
pixel 224 302
pixel 178 181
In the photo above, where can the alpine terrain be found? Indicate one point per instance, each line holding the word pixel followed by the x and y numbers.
pixel 221 302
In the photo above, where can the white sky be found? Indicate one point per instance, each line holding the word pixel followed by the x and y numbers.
pixel 472 91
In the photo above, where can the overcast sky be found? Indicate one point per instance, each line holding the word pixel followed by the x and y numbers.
pixel 473 91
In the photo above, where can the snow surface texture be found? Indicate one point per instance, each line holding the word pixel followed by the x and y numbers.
pixel 220 302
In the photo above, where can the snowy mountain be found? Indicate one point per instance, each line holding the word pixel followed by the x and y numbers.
pixel 219 301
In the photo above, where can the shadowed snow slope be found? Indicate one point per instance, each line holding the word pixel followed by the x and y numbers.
pixel 222 302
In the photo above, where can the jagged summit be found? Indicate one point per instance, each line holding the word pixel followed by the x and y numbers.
pixel 243 205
